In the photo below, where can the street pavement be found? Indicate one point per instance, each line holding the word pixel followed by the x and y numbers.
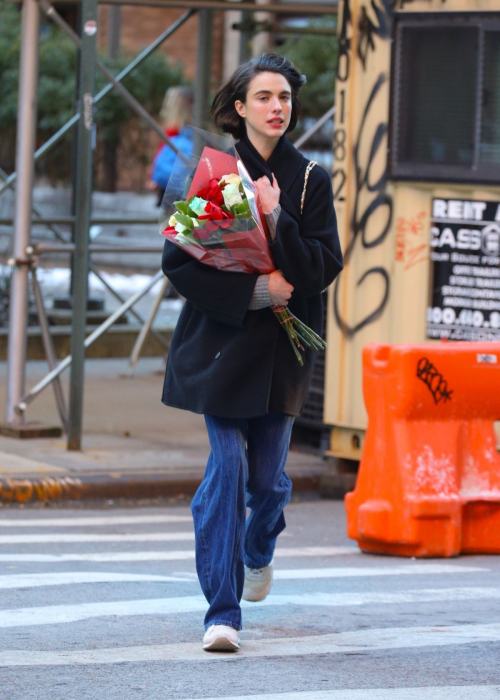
pixel 105 603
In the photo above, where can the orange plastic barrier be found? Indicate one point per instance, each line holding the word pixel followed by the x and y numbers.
pixel 429 479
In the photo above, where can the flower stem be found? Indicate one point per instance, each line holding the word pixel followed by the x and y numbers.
pixel 298 333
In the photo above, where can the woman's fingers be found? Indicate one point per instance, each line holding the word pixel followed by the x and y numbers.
pixel 280 290
pixel 269 194
pixel 275 184
pixel 264 180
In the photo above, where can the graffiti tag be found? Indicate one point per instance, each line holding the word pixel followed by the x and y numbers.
pixel 409 250
pixel 361 218
pixel 434 379
pixel 368 28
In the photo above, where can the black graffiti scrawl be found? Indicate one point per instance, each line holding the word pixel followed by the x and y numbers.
pixel 437 384
pixel 361 216
pixel 369 28
pixel 374 22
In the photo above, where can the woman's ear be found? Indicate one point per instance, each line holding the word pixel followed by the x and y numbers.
pixel 240 108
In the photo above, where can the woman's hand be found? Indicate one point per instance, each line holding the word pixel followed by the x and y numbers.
pixel 268 194
pixel 280 290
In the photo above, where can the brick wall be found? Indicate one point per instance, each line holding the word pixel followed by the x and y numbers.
pixel 140 26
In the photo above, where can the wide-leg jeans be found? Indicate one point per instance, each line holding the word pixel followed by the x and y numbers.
pixel 246 467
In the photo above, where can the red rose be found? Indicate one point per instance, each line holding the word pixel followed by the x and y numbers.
pixel 168 231
pixel 212 193
pixel 215 213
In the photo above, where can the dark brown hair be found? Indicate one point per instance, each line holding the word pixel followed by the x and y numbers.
pixel 224 114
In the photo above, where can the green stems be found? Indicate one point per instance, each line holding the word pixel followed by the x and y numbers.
pixel 298 333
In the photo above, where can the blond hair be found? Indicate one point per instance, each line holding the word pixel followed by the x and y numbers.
pixel 176 110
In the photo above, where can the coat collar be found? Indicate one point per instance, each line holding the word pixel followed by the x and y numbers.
pixel 285 162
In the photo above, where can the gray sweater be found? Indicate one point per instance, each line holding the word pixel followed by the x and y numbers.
pixel 260 298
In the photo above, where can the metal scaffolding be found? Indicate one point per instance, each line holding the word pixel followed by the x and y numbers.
pixel 24 257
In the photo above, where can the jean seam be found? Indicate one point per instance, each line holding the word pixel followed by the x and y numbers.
pixel 242 522
pixel 204 545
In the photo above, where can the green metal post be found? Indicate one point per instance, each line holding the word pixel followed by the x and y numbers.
pixel 83 187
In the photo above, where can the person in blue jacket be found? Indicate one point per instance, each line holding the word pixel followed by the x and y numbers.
pixel 175 114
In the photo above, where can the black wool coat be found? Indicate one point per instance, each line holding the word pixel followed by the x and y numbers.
pixel 225 360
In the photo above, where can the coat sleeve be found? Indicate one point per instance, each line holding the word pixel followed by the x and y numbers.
pixel 222 296
pixel 308 253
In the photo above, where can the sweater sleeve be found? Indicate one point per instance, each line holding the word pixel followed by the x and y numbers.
pixel 223 296
pixel 308 252
pixel 260 298
pixel 272 221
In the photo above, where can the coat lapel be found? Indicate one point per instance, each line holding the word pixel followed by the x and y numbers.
pixel 285 162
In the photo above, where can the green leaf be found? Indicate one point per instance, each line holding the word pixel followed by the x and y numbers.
pixel 185 221
pixel 241 209
pixel 184 208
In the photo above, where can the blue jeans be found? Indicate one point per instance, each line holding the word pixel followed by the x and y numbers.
pixel 247 459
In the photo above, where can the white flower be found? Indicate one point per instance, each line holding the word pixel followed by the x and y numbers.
pixel 180 228
pixel 232 179
pixel 198 205
pixel 172 221
pixel 232 195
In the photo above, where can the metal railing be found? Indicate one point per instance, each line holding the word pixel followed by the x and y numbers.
pixel 22 261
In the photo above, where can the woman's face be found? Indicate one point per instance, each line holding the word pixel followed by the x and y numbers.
pixel 267 109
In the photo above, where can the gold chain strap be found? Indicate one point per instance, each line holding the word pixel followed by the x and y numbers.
pixel 310 166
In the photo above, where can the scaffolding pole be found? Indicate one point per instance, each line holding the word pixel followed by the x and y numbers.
pixel 203 69
pixel 27 110
pixel 83 187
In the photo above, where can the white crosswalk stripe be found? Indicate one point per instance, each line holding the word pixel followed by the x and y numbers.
pixel 172 555
pixel 361 572
pixel 108 520
pixel 78 577
pixel 57 614
pixel 137 537
pixel 485 692
pixel 74 577
pixel 341 643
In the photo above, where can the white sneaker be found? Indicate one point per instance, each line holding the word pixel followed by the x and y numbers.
pixel 221 638
pixel 258 583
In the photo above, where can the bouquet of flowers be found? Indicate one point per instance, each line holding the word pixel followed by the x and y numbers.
pixel 210 210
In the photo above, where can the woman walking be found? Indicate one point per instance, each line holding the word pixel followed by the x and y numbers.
pixel 230 360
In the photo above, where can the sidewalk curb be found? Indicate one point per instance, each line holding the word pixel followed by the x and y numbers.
pixel 105 486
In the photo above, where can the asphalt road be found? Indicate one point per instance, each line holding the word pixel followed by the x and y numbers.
pixel 104 603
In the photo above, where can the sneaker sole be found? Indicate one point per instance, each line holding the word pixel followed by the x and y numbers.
pixel 221 644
